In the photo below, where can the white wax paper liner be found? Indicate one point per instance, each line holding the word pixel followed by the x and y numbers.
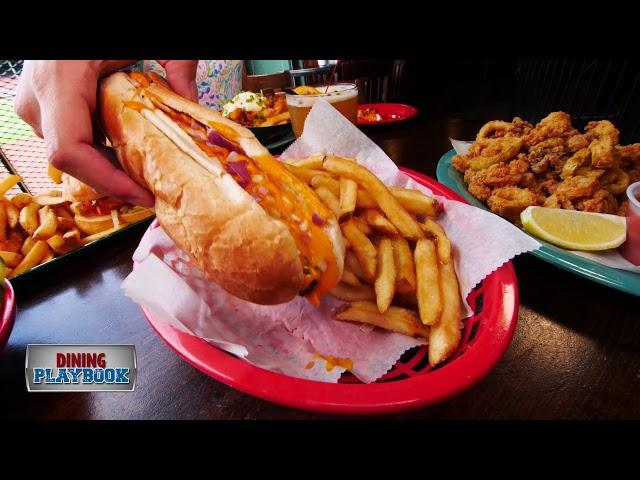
pixel 287 338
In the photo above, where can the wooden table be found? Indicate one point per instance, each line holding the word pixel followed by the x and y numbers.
pixel 575 354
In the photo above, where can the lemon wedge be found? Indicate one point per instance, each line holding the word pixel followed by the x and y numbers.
pixel 307 90
pixel 575 230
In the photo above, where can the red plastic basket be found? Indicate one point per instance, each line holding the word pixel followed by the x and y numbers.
pixel 410 384
pixel 7 313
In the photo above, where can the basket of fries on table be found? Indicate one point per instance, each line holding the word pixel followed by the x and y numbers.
pixel 408 281
pixel 35 229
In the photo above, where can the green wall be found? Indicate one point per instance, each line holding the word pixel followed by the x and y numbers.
pixel 263 67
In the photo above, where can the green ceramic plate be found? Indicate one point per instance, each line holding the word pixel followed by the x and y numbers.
pixel 619 279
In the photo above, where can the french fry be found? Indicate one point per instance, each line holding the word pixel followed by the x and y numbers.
pixel 48 256
pixel 96 236
pixel 65 223
pixel 329 183
pixel 6 271
pixel 362 225
pixel 72 237
pixel 135 214
pixel 21 200
pixel 350 293
pixel 276 119
pixel 75 208
pixel 329 199
pixel 364 250
pixel 351 262
pixel 383 197
pixel 28 218
pixel 445 335
pixel 10 259
pixel 8 183
pixel 313 161
pixel 442 242
pixel 3 222
pixel 414 201
pixel 55 242
pixel 63 211
pixel 48 224
pixel 379 222
pixel 34 257
pixel 396 319
pixel 48 199
pixel 427 282
pixel 27 245
pixel 348 195
pixel 385 285
pixel 304 174
pixel 12 212
pixel 54 174
pixel 365 200
pixel 350 278
pixel 405 269
pixel 13 243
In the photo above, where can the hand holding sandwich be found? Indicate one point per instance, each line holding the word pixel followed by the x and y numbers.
pixel 58 100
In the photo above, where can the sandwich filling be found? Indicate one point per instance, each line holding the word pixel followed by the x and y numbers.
pixel 276 190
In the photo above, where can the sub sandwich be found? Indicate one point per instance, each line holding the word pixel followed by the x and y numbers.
pixel 246 221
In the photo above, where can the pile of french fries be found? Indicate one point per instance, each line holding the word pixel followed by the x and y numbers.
pixel 36 228
pixel 399 273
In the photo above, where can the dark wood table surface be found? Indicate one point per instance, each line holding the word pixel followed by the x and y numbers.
pixel 575 353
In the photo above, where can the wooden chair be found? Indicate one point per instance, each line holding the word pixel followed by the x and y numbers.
pixel 311 76
pixel 269 82
pixel 377 80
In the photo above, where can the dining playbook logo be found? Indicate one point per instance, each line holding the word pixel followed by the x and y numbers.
pixel 80 368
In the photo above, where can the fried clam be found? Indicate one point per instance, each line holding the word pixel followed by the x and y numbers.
pixel 622 208
pixel 601 129
pixel 556 124
pixel 577 160
pixel 615 181
pixel 498 150
pixel 603 201
pixel 503 175
pixel 629 154
pixel 476 186
pixel 461 162
pixel 604 153
pixel 577 187
pixel 577 142
pixel 558 201
pixel 547 159
pixel 634 175
pixel 508 202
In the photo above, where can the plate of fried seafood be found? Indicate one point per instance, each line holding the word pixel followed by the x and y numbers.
pixel 514 165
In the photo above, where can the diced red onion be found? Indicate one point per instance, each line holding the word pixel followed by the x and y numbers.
pixel 216 139
pixel 263 190
pixel 295 218
pixel 240 169
pixel 317 219
pixel 304 226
